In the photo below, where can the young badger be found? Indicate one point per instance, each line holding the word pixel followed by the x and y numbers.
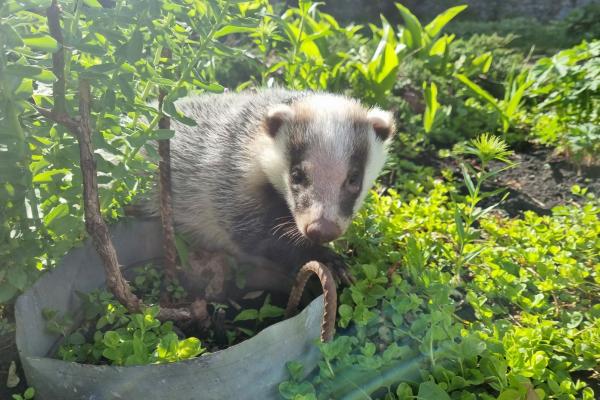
pixel 274 174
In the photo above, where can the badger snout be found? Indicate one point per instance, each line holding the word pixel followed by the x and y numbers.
pixel 323 230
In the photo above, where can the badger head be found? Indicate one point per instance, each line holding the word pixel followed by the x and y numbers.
pixel 322 153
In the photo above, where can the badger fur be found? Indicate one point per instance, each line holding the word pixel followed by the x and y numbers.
pixel 274 174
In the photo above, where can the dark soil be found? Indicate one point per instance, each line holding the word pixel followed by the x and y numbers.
pixel 541 181
pixel 538 182
pixel 8 353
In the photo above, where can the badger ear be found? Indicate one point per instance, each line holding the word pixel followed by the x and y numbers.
pixel 383 123
pixel 276 117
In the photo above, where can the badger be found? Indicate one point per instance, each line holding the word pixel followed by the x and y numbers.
pixel 274 174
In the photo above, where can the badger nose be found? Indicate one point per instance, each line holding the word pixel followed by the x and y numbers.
pixel 323 230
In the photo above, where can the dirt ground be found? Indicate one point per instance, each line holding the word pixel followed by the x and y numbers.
pixel 541 181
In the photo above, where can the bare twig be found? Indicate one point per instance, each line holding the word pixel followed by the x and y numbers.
pixel 329 296
pixel 166 210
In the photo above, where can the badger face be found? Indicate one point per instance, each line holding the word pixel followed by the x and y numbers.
pixel 323 153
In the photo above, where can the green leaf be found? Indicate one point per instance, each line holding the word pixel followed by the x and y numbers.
pixel 189 348
pixel 468 181
pixel 46 176
pixel 30 71
pixel 431 391
pixel 57 212
pixel 135 47
pixel 169 109
pixel 295 369
pixel 439 22
pixel 29 393
pixel 124 81
pixel 270 311
pixel 163 134
pixel 17 277
pixel 229 29
pixel 41 42
pixel 92 3
pixel 478 90
pixel 414 27
pixel 431 106
pixel 245 315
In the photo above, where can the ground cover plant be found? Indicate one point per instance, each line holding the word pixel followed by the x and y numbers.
pixel 457 296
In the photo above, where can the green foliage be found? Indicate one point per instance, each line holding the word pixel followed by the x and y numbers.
pixel 118 50
pixel 508 108
pixel 517 321
pixel 544 37
pixel 109 334
pixel 566 100
pixel 452 300
pixel 28 394
pixel 584 22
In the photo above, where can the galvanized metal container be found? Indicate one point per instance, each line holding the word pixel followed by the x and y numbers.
pixel 249 370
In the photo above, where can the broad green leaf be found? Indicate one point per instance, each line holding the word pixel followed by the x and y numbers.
pixel 270 311
pixel 245 315
pixel 431 391
pixel 163 134
pixel 439 47
pixel 47 176
pixel 439 22
pixel 17 276
pixel 56 213
pixel 30 71
pixel 41 42
pixel 478 90
pixel 413 25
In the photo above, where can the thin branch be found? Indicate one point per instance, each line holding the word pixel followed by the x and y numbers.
pixel 58 60
pixel 166 209
pixel 94 223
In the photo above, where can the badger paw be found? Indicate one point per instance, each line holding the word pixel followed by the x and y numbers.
pixel 338 267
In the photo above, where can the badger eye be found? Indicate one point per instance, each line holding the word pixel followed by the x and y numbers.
pixel 353 182
pixel 298 176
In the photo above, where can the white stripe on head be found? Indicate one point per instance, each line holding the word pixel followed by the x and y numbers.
pixel 382 124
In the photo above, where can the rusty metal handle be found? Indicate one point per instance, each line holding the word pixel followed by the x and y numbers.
pixel 329 296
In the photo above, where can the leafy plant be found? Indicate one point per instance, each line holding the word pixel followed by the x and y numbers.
pixel 109 334
pixel 565 94
pixel 28 394
pixel 507 109
pixel 509 328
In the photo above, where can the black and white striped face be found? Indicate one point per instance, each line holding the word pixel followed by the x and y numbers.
pixel 325 152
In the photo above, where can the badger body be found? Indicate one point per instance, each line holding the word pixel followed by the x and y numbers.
pixel 273 174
